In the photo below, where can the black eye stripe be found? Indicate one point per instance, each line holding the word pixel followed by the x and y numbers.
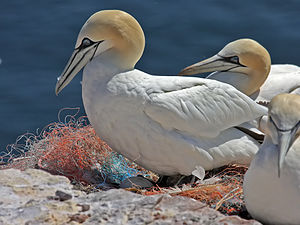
pixel 86 42
pixel 232 59
pixel 272 121
pixel 235 59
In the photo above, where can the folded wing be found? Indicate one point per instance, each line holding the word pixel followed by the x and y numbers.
pixel 199 107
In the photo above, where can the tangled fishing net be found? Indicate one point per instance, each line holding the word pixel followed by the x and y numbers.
pixel 72 148
pixel 222 189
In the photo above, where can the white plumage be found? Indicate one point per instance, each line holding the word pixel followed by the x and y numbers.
pixel 282 79
pixel 246 65
pixel 168 124
pixel 272 182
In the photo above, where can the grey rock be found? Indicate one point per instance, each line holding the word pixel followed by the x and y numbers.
pixel 137 182
pixel 37 197
pixel 123 207
pixel 25 198
pixel 63 196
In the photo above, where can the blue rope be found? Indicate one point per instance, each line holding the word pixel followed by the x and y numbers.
pixel 116 169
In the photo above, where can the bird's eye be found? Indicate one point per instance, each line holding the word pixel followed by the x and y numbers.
pixel 235 59
pixel 232 59
pixel 86 43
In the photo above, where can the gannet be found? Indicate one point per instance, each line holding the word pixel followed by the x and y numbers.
pixel 168 124
pixel 246 65
pixel 272 182
pixel 282 79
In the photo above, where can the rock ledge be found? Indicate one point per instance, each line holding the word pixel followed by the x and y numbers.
pixel 37 197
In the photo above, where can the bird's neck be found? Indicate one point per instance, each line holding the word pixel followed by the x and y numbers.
pixel 96 76
pixel 238 80
pixel 102 68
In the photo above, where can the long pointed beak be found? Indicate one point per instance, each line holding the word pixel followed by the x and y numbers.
pixel 77 61
pixel 215 63
pixel 286 139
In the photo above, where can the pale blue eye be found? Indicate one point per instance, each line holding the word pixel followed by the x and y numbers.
pixel 86 42
pixel 235 59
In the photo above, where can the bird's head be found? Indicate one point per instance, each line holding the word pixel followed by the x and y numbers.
pixel 284 123
pixel 243 56
pixel 113 32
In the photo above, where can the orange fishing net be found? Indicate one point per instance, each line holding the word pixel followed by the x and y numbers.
pixel 225 193
pixel 72 148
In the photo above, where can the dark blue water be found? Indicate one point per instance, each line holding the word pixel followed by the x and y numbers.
pixel 37 38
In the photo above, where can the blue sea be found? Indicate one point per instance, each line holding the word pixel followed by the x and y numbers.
pixel 37 38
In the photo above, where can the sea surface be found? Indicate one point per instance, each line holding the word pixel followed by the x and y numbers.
pixel 37 38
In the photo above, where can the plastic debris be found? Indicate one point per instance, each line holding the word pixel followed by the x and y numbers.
pixel 72 148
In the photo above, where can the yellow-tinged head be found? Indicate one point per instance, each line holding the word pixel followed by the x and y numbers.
pixel 284 123
pixel 112 31
pixel 244 56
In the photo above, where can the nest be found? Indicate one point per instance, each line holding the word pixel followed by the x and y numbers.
pixel 222 189
pixel 71 148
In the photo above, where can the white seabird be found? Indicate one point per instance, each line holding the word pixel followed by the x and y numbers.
pixel 245 64
pixel 282 79
pixel 168 124
pixel 272 182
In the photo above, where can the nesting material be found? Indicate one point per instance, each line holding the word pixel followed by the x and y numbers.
pixel 72 148
pixel 222 190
